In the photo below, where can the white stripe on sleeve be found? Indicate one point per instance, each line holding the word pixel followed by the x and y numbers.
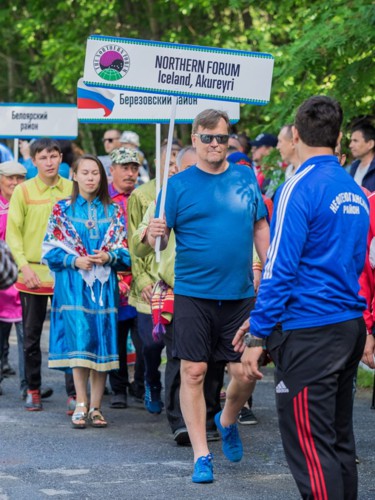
pixel 280 216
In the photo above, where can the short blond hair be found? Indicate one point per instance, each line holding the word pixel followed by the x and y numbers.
pixel 209 118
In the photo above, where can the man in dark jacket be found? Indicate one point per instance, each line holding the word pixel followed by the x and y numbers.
pixel 310 286
pixel 362 146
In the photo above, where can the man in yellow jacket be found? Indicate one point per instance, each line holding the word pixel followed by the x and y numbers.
pixel 29 210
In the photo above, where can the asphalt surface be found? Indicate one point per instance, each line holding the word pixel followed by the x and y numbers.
pixel 41 456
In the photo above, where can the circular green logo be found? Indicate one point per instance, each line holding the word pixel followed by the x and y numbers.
pixel 111 62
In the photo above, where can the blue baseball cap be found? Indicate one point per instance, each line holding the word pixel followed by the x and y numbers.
pixel 264 140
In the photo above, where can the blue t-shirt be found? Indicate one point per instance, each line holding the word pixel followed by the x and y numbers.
pixel 213 218
pixel 5 153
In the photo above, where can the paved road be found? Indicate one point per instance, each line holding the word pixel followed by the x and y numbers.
pixel 136 457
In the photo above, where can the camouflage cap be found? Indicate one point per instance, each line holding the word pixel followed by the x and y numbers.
pixel 122 156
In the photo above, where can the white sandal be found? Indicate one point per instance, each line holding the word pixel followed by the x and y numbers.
pixel 79 418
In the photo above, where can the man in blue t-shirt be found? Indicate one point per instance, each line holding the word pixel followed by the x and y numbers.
pixel 310 286
pixel 217 213
pixel 5 153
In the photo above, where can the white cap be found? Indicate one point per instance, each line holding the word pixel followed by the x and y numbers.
pixel 9 168
pixel 130 137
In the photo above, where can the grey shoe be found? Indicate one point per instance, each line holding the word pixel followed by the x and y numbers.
pixel 45 392
pixel 181 436
pixel 33 401
pixel 119 401
pixel 8 370
pixel 71 405
pixel 212 435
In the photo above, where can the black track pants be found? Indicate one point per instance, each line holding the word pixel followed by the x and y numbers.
pixel 315 368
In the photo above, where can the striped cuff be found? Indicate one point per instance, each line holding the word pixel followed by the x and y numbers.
pixel 112 259
pixel 69 261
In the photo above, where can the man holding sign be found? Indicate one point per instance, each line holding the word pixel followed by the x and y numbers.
pixel 216 211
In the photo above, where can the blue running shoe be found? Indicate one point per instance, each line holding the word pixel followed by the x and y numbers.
pixel 203 470
pixel 232 446
pixel 153 403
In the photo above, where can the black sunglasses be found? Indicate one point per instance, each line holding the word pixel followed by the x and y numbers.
pixel 110 139
pixel 208 138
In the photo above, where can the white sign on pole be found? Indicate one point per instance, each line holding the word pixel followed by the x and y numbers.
pixel 27 121
pixel 101 105
pixel 175 69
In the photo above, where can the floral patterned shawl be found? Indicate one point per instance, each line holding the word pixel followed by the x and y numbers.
pixel 62 234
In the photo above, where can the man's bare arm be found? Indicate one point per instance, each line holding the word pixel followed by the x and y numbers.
pixel 262 239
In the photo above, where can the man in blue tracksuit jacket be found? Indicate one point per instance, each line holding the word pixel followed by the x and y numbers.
pixel 310 286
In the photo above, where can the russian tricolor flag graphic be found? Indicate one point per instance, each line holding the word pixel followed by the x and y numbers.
pixel 95 99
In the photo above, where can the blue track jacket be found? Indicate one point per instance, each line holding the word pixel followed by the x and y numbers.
pixel 318 246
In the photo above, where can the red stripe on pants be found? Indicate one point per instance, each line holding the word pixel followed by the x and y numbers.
pixel 301 415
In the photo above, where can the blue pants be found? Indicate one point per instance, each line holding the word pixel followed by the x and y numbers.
pixel 151 351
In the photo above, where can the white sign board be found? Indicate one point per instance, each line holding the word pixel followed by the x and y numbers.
pixel 98 105
pixel 175 69
pixel 27 121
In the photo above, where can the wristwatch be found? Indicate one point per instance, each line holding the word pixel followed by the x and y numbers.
pixel 252 341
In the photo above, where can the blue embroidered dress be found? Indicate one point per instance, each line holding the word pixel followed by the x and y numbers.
pixel 84 305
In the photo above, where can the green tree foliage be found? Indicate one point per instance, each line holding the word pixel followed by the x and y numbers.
pixel 319 47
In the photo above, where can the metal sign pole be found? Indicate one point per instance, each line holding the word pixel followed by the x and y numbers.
pixel 166 171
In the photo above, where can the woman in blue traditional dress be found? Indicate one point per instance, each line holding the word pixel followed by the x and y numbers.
pixel 84 246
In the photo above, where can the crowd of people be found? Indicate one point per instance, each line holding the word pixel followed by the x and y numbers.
pixel 299 265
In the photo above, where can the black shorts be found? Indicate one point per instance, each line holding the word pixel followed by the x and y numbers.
pixel 205 328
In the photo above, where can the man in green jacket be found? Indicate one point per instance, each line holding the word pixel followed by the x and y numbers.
pixel 144 277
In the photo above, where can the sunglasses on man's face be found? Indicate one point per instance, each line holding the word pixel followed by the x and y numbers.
pixel 110 139
pixel 208 138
